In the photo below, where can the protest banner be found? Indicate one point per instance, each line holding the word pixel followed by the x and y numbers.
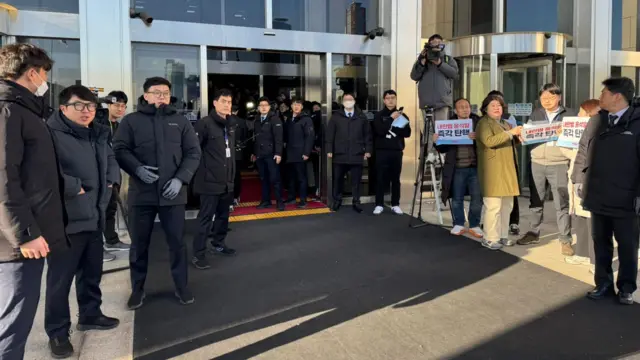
pixel 454 132
pixel 534 134
pixel 572 129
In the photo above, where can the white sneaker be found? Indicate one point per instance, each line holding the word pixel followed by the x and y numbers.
pixel 457 230
pixel 577 260
pixel 397 210
pixel 378 210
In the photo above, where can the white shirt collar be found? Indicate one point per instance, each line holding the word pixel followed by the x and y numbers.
pixel 619 113
pixel 347 112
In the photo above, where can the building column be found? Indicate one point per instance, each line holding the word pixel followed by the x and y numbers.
pixel 406 44
pixel 105 46
pixel 601 13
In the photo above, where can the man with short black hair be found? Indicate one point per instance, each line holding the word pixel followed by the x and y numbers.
pixel 90 172
pixel 267 153
pixel 214 180
pixel 116 113
pixel 550 165
pixel 299 139
pixel 159 150
pixel 389 145
pixel 612 188
pixel 32 216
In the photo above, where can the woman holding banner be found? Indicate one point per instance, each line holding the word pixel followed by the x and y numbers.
pixel 584 253
pixel 495 141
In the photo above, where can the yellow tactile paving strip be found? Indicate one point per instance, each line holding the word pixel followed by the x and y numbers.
pixel 279 214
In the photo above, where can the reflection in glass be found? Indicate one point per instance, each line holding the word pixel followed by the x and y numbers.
pixel 248 13
pixel 178 64
pixel 66 69
pixel 540 15
pixel 475 80
pixel 332 16
pixel 64 6
pixel 624 25
pixel 472 17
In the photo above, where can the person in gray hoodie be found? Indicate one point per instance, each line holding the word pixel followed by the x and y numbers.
pixel 434 72
pixel 549 164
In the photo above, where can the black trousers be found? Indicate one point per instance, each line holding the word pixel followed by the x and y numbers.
pixel 627 234
pixel 110 234
pixel 514 217
pixel 141 221
pixel 298 176
pixel 269 176
pixel 237 180
pixel 19 295
pixel 214 207
pixel 388 169
pixel 84 262
pixel 339 172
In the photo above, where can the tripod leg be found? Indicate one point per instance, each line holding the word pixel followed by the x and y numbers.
pixel 436 192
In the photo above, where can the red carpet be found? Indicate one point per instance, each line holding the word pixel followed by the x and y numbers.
pixel 251 196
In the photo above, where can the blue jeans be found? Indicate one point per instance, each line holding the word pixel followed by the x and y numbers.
pixel 463 179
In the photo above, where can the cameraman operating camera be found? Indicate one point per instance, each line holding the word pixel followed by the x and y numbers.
pixel 434 72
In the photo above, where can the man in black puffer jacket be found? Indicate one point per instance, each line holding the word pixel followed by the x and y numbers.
pixel 32 216
pixel 267 153
pixel 349 144
pixel 90 172
pixel 299 139
pixel 159 149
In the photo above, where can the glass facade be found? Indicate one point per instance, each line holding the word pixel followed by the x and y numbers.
pixel 472 17
pixel 179 64
pixel 332 16
pixel 624 25
pixel 64 6
pixel 248 13
pixel 66 69
pixel 540 15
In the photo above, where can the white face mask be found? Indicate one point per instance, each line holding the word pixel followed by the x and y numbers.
pixel 42 88
pixel 349 104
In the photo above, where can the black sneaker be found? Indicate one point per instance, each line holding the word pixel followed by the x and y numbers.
pixel 200 263
pixel 529 238
pixel 97 323
pixel 336 206
pixel 290 201
pixel 514 229
pixel 263 205
pixel 223 250
pixel 281 206
pixel 136 300
pixel 302 205
pixel 116 246
pixel 357 208
pixel 61 348
pixel 185 297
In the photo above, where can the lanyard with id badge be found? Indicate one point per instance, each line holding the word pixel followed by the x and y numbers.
pixel 226 142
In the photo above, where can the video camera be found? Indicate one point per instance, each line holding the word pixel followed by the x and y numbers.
pixel 433 52
pixel 102 111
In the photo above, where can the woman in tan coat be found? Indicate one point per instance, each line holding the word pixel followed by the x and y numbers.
pixel 495 141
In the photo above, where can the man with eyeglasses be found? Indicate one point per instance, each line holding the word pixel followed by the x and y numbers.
pixel 159 150
pixel 90 173
pixel 549 165
pixel 111 240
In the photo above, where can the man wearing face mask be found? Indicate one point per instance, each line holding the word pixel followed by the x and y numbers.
pixel 300 138
pixel 32 216
pixel 159 150
pixel 349 144
pixel 267 153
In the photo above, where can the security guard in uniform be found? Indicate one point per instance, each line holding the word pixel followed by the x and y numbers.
pixel 267 153
pixel 214 180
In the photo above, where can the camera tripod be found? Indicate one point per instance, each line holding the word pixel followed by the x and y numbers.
pixel 426 143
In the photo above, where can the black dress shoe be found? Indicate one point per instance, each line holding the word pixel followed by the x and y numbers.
pixel 263 205
pixel 625 298
pixel 223 250
pixel 290 201
pixel 97 323
pixel 336 206
pixel 60 348
pixel 301 205
pixel 601 292
pixel 357 208
pixel 136 300
pixel 281 206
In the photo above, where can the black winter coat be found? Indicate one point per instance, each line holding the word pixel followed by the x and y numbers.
pixel 216 171
pixel 300 138
pixel 31 203
pixel 268 136
pixel 449 168
pixel 612 181
pixel 241 136
pixel 348 139
pixel 157 137
pixel 87 162
pixel 381 126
